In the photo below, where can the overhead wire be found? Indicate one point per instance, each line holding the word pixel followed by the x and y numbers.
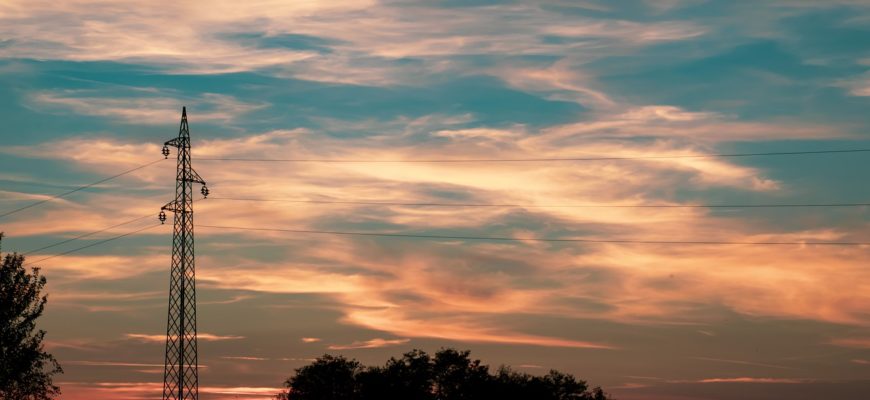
pixel 543 159
pixel 94 244
pixel 435 204
pixel 57 196
pixel 82 236
pixel 86 235
pixel 513 239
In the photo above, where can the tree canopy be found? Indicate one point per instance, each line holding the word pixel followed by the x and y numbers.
pixel 26 369
pixel 448 375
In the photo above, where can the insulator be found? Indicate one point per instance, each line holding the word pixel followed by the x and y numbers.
pixel 204 191
pixel 165 151
pixel 162 217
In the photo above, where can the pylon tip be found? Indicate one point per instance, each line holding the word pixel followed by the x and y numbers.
pixel 183 111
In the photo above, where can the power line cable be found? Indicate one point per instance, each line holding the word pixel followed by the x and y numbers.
pixel 409 204
pixel 87 234
pixel 94 244
pixel 57 196
pixel 481 160
pixel 510 239
pixel 94 232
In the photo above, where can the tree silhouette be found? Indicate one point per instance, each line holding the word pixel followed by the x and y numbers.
pixel 407 378
pixel 327 378
pixel 26 369
pixel 457 377
pixel 449 375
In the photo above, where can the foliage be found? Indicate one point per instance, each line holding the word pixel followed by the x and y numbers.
pixel 26 369
pixel 449 375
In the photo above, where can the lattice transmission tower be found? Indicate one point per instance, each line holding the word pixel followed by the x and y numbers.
pixel 180 373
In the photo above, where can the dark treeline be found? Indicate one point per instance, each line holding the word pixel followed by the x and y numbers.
pixel 448 375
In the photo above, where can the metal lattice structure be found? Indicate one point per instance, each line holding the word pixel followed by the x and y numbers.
pixel 180 374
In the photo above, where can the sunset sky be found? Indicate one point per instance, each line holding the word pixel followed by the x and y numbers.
pixel 90 88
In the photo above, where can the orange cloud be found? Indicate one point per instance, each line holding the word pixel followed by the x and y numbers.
pixel 376 284
pixel 857 343
pixel 148 390
pixel 753 380
pixel 369 344
pixel 208 337
pixel 144 110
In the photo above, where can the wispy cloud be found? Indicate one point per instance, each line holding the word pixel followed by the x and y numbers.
pixel 365 39
pixel 111 364
pixel 208 337
pixel 461 81
pixel 155 108
pixel 854 342
pixel 753 380
pixel 741 362
pixel 859 86
pixel 369 344
pixel 244 358
pixel 143 390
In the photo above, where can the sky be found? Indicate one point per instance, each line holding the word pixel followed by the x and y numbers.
pixel 91 88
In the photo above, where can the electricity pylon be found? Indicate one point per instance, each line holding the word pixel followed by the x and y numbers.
pixel 180 375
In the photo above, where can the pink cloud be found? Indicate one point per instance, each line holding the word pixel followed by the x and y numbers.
pixel 150 390
pixel 208 337
pixel 858 343
pixel 114 364
pixel 369 344
pixel 244 358
pixel 753 380
pixel 741 362
pixel 143 110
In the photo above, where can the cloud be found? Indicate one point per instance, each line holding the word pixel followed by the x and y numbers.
pixel 422 288
pixel 250 358
pixel 244 358
pixel 859 87
pixel 147 390
pixel 517 294
pixel 369 344
pixel 208 337
pixel 474 133
pixel 630 385
pixel 666 121
pixel 741 362
pixel 112 364
pixel 855 342
pixel 97 267
pixel 753 380
pixel 629 31
pixel 365 41
pixel 559 81
pixel 155 108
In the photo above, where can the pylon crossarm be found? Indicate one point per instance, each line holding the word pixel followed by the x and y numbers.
pixel 173 206
pixel 194 177
pixel 173 142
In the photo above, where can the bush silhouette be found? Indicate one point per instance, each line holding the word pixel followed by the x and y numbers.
pixel 448 375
